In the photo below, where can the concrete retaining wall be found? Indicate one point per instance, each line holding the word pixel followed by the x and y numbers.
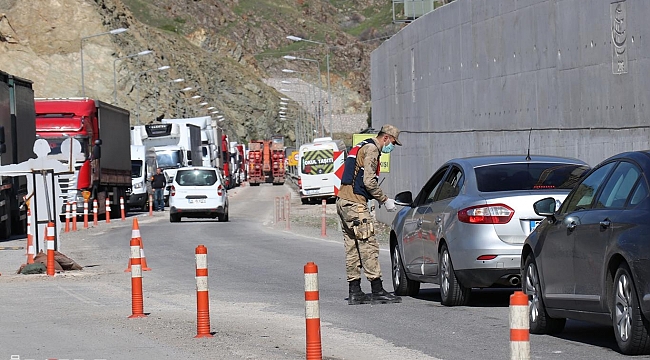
pixel 475 76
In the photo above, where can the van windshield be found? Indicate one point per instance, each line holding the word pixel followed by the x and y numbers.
pixel 316 162
pixel 528 176
pixel 169 159
pixel 136 168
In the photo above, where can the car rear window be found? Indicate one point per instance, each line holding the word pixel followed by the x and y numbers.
pixel 196 177
pixel 528 176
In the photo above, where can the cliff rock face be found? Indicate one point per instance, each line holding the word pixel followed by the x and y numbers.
pixel 223 49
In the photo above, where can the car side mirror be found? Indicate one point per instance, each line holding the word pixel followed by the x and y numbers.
pixel 405 198
pixel 545 207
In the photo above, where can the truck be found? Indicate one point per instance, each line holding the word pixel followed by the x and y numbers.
pixel 100 128
pixel 239 156
pixel 17 121
pixel 208 138
pixel 266 161
pixel 316 177
pixel 161 149
pixel 277 160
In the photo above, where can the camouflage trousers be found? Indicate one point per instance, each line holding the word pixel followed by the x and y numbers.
pixel 361 246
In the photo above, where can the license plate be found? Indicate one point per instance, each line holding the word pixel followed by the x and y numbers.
pixel 311 192
pixel 196 201
pixel 533 224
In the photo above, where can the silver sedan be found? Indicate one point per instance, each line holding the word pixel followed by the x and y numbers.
pixel 466 227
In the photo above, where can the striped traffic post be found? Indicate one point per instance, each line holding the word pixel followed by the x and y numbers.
pixel 122 212
pixel 288 219
pixel 137 305
pixel 67 217
pixel 323 225
pixel 85 213
pixel 277 209
pixel 202 297
pixel 49 238
pixel 107 213
pixel 95 214
pixel 150 205
pixel 30 238
pixel 519 327
pixel 74 216
pixel 312 313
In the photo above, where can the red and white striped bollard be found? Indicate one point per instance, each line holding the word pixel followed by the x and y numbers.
pixel 107 213
pixel 122 212
pixel 202 296
pixel 312 313
pixel 519 327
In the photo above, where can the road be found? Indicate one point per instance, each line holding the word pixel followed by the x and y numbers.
pixel 256 299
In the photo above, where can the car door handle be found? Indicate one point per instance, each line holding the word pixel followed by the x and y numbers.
pixel 605 223
pixel 571 226
pixel 419 223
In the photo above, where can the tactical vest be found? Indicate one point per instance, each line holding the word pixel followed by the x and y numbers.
pixel 353 175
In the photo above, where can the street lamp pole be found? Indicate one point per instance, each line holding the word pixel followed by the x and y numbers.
pixel 141 53
pixel 111 32
pixel 327 60
pixel 137 88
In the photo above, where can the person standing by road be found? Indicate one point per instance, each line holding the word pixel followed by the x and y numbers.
pixel 158 183
pixel 358 186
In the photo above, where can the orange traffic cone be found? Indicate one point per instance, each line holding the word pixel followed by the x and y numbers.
pixel 135 234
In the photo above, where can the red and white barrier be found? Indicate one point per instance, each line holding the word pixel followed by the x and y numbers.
pixel 137 304
pixel 74 216
pixel 122 210
pixel 323 226
pixel 288 206
pixel 95 213
pixel 85 213
pixel 202 296
pixel 312 313
pixel 30 238
pixel 150 205
pixel 107 214
pixel 67 217
pixel 49 238
pixel 519 327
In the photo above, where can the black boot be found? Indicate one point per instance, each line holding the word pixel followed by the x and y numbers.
pixel 357 296
pixel 381 296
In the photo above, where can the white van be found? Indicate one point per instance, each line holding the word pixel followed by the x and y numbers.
pixel 139 195
pixel 316 177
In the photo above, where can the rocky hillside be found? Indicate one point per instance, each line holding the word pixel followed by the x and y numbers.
pixel 226 50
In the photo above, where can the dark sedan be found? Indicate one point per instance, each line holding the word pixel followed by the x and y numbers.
pixel 590 259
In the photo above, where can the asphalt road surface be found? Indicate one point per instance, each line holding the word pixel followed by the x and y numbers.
pixel 256 289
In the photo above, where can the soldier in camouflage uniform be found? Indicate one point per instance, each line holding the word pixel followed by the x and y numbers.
pixel 358 186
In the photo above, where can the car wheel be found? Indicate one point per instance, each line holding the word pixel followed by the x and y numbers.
pixel 304 201
pixel 630 327
pixel 452 292
pixel 174 218
pixel 401 283
pixel 539 321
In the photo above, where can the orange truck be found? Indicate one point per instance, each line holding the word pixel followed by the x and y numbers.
pixel 266 161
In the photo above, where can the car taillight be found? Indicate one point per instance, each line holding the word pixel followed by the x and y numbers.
pixel 220 190
pixel 486 214
pixel 300 183
pixel 172 191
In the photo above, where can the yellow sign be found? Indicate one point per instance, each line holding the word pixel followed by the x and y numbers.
pixel 293 159
pixel 384 160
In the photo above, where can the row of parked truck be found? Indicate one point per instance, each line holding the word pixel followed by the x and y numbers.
pixel 175 143
pixel 106 157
